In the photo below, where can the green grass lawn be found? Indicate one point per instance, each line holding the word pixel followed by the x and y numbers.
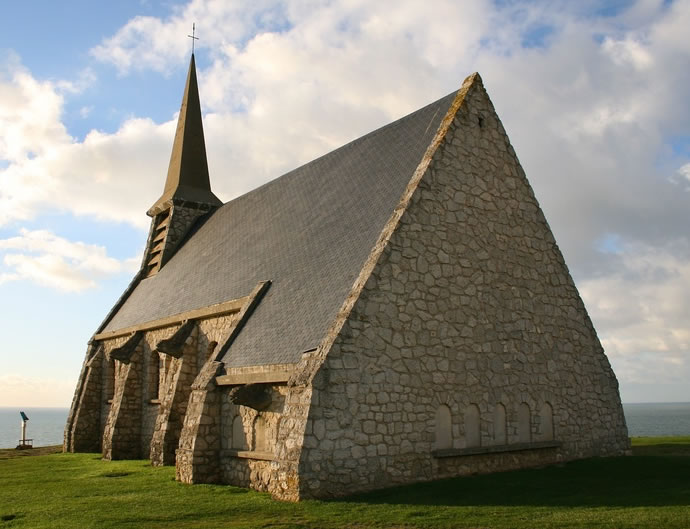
pixel 650 489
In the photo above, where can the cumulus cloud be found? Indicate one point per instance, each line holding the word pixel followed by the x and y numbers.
pixel 147 42
pixel 642 309
pixel 684 171
pixel 46 259
pixel 107 176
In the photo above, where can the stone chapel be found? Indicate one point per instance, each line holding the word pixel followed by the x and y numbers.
pixel 394 311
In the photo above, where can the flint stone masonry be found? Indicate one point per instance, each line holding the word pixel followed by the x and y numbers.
pixel 83 432
pixel 179 375
pixel 250 440
pixel 183 216
pixel 461 347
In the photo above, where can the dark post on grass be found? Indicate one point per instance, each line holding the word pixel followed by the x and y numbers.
pixel 24 442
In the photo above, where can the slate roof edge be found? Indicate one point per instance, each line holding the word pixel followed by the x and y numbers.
pixel 128 291
pixel 118 304
pixel 253 299
pixel 309 365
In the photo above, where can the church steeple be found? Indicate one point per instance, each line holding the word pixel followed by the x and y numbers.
pixel 187 194
pixel 188 179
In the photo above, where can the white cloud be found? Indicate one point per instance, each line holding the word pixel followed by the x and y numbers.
pixel 29 115
pixel 684 171
pixel 106 176
pixel 641 310
pixel 628 51
pixel 84 80
pixel 150 43
pixel 46 259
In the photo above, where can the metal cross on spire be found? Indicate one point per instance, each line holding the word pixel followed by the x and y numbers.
pixel 192 36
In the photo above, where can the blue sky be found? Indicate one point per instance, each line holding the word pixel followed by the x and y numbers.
pixel 593 95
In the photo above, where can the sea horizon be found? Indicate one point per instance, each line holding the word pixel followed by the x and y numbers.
pixel 47 423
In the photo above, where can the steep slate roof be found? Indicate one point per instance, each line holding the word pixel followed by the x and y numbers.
pixel 309 232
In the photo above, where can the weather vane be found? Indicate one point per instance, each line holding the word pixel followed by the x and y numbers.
pixel 192 36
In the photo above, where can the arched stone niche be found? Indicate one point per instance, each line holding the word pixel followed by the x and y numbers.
pixel 110 375
pixel 154 375
pixel 546 422
pixel 443 437
pixel 262 442
pixel 524 423
pixel 473 436
pixel 239 438
pixel 500 429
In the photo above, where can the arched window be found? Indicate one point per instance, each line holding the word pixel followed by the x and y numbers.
pixel 500 430
pixel 110 375
pixel 239 439
pixel 154 375
pixel 473 435
pixel 524 423
pixel 546 422
pixel 443 437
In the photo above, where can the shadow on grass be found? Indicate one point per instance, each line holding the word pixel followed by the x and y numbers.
pixel 663 449
pixel 600 482
pixel 13 453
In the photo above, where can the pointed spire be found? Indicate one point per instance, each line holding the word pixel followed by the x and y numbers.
pixel 188 179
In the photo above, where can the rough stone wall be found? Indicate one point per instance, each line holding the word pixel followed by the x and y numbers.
pixel 198 452
pixel 181 220
pixel 153 374
pixel 211 332
pixel 245 429
pixel 471 306
pixel 108 382
pixel 292 440
pixel 149 415
pixel 82 432
pixel 176 383
pixel 198 455
pixel 122 432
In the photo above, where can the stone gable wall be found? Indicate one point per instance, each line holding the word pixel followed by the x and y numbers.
pixel 470 306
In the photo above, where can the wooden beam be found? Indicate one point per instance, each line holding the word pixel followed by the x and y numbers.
pixel 257 377
pixel 226 307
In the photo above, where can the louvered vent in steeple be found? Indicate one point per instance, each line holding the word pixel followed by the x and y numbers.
pixel 187 194
pixel 161 223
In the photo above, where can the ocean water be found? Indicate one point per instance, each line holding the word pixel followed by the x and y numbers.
pixel 657 419
pixel 46 425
